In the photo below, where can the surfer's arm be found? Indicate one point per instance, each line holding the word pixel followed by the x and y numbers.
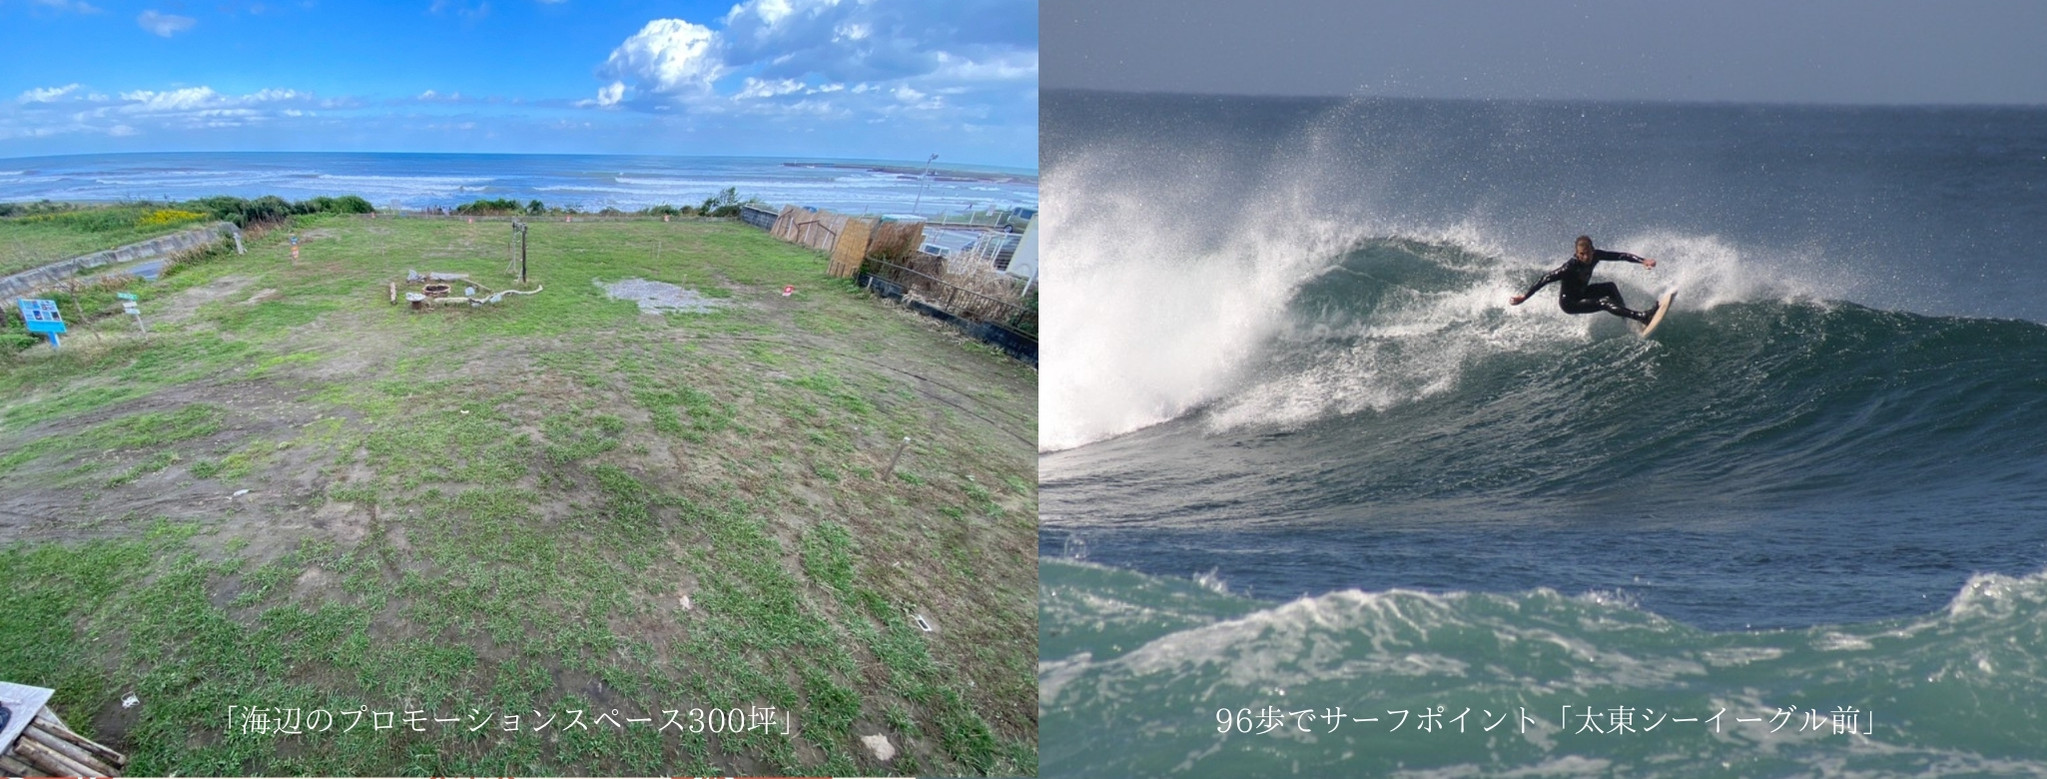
pixel 1608 256
pixel 1541 282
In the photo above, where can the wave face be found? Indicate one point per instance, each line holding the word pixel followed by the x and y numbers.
pixel 1184 227
pixel 1400 373
pixel 1402 427
pixel 1141 675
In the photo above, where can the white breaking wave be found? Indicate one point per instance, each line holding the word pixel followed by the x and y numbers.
pixel 1170 289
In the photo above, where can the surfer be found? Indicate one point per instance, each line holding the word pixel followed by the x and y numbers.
pixel 1580 295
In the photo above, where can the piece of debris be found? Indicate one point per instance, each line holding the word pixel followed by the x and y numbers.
pixel 416 277
pixel 878 744
pixel 238 493
pixel 130 701
pixel 922 624
pixel 686 606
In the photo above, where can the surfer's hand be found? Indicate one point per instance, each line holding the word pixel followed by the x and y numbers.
pixel 1516 300
pixel 1648 263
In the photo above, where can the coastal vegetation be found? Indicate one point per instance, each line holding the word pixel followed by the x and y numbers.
pixel 39 233
pixel 726 203
pixel 292 494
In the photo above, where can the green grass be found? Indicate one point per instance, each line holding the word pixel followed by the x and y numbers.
pixel 147 430
pixel 33 241
pixel 502 510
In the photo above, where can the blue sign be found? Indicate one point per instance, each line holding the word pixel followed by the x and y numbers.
pixel 41 316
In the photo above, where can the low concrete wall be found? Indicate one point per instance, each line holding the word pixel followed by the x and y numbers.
pixel 164 246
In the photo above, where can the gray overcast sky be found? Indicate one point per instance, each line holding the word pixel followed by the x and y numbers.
pixel 1830 51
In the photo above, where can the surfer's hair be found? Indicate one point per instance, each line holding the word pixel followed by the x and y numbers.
pixel 1584 240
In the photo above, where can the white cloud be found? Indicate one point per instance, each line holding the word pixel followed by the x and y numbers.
pixel 49 95
pixel 187 99
pixel 164 25
pixel 756 88
pixel 607 97
pixel 668 56
pixel 852 32
pixel 949 64
pixel 144 111
pixel 769 12
pixel 1006 66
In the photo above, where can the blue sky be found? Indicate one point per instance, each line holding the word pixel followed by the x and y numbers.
pixel 866 79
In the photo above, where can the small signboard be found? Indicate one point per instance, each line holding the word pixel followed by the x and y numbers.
pixel 131 308
pixel 42 316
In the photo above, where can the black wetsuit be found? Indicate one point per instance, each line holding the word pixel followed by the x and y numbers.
pixel 1581 296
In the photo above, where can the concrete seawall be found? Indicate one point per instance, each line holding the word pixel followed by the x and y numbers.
pixel 163 246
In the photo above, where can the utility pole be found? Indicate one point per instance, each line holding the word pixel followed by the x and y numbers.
pixel 927 182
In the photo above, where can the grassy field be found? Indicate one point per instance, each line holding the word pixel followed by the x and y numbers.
pixel 549 536
pixel 37 240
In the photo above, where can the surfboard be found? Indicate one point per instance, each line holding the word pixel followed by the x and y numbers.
pixel 1662 308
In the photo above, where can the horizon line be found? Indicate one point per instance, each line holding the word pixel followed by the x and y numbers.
pixel 1556 100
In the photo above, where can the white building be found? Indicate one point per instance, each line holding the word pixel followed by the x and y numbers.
pixel 1025 262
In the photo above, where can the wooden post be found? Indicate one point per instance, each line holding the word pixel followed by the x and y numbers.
pixel 73 285
pixel 892 460
pixel 70 751
pixel 15 767
pixel 38 753
pixel 48 721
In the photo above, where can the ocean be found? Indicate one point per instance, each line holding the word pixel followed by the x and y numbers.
pixel 587 182
pixel 1316 500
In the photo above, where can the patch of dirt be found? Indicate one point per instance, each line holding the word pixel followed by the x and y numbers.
pixel 179 307
pixel 43 503
pixel 656 297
